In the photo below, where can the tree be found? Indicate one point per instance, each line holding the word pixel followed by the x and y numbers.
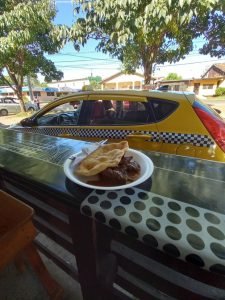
pixel 173 76
pixel 213 30
pixel 26 34
pixel 95 82
pixel 140 33
pixel 35 82
pixel 2 82
pixel 87 87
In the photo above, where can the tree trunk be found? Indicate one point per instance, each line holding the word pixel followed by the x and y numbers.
pixel 147 72
pixel 17 87
pixel 19 94
pixel 149 55
pixel 20 97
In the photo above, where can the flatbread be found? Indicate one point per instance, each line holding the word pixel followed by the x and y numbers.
pixel 105 156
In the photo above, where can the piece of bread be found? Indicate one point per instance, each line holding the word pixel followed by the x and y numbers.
pixel 103 157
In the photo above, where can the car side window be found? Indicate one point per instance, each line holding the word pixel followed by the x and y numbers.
pixel 163 108
pixel 113 113
pixel 8 101
pixel 66 114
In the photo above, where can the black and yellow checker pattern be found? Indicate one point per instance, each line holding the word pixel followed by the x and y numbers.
pixel 166 137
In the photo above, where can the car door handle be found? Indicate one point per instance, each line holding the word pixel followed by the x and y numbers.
pixel 139 136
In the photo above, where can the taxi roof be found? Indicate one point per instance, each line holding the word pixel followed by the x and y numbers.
pixel 169 95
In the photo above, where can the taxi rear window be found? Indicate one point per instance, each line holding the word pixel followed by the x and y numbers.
pixel 163 108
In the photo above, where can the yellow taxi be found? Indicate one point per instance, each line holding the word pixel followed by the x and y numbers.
pixel 170 122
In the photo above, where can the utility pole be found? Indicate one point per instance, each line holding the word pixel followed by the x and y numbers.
pixel 30 89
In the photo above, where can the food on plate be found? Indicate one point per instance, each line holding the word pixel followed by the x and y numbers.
pixel 127 170
pixel 110 164
pixel 103 157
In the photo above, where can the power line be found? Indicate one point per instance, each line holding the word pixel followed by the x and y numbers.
pixel 89 58
pixel 191 63
pixel 110 63
pixel 88 67
pixel 96 58
pixel 82 56
pixel 85 62
pixel 114 61
pixel 105 62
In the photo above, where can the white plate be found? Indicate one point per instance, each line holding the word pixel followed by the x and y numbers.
pixel 144 161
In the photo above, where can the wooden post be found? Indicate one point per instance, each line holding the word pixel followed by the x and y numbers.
pixel 83 235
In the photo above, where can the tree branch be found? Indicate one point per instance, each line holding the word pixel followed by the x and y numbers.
pixel 8 82
pixel 13 78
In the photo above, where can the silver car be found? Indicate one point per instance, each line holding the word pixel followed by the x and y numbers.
pixel 10 105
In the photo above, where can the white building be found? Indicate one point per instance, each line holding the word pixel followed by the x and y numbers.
pixel 122 81
pixel 75 84
pixel 44 94
pixel 207 85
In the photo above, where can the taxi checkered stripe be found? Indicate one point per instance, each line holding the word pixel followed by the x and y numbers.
pixel 183 138
pixel 166 137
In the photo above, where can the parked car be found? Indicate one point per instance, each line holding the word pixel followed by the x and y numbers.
pixel 10 105
pixel 170 122
pixel 163 88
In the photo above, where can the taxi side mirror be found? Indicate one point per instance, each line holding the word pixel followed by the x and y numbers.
pixel 28 122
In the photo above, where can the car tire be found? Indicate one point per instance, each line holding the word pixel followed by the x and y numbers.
pixel 4 112
pixel 30 109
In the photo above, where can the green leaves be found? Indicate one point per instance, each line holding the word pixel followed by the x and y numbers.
pixel 173 76
pixel 95 82
pixel 26 33
pixel 181 3
pixel 143 32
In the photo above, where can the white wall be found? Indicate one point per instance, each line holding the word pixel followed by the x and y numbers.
pixel 207 92
pixel 76 84
pixel 125 78
pixel 222 84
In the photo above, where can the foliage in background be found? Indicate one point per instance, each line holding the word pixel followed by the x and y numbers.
pixel 35 82
pixel 26 33
pixel 212 28
pixel 141 33
pixel 87 87
pixel 220 91
pixel 2 81
pixel 173 76
pixel 95 82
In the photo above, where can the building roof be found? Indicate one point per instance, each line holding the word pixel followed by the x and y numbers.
pixel 118 74
pixel 219 66
pixel 7 89
pixel 168 81
pixel 191 79
pixel 70 80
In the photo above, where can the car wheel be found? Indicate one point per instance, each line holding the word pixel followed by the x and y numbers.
pixel 3 112
pixel 31 109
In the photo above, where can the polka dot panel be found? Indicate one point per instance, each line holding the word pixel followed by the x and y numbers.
pixel 188 232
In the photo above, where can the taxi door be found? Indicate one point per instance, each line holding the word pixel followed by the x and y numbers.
pixel 176 124
pixel 119 117
pixel 59 118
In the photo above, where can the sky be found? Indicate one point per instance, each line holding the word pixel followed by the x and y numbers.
pixel 89 62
